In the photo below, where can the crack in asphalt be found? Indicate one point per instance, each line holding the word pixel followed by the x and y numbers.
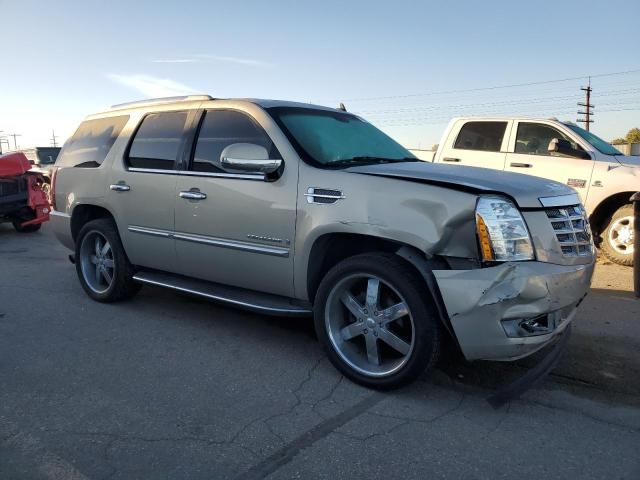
pixel 404 421
pixel 289 451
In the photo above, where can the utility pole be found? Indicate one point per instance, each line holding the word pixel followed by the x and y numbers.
pixel 15 139
pixel 53 138
pixel 588 107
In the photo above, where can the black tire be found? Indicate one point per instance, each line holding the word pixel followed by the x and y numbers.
pixel 609 250
pixel 403 279
pixel 122 286
pixel 26 229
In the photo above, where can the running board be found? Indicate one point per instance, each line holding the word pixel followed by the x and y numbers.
pixel 238 297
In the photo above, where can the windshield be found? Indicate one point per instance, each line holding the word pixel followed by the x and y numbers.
pixel 595 141
pixel 334 139
pixel 47 155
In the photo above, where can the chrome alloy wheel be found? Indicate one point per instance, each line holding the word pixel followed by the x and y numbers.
pixel 96 262
pixel 621 235
pixel 369 325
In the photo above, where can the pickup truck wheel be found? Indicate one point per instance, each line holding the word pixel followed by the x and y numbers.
pixel 17 224
pixel 617 244
pixel 376 321
pixel 102 264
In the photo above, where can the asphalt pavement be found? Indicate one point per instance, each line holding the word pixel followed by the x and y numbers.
pixel 168 386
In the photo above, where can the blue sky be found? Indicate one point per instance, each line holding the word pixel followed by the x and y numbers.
pixel 386 60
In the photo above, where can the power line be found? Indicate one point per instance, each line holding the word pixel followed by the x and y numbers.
pixel 495 87
pixel 15 139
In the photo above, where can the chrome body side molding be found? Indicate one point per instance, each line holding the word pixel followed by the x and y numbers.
pixel 213 241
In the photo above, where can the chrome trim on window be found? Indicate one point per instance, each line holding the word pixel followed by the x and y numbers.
pixel 242 176
pixel 560 201
pixel 152 170
pixel 213 241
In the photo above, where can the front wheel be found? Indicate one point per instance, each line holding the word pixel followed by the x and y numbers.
pixel 376 321
pixel 617 244
pixel 102 264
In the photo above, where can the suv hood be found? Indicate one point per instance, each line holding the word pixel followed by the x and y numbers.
pixel 628 161
pixel 526 190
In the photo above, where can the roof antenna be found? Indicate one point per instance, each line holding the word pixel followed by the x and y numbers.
pixel 342 107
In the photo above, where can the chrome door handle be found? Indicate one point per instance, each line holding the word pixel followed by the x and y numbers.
pixel 521 165
pixel 120 187
pixel 193 195
pixel 449 159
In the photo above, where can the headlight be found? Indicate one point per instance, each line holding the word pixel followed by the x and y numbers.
pixel 502 233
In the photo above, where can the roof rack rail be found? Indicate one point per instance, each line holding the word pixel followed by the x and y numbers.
pixel 156 101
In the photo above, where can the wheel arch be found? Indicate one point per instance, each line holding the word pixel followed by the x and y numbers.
pixel 84 213
pixel 602 214
pixel 331 248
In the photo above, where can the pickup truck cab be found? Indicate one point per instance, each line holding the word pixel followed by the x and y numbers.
pixel 294 209
pixel 604 178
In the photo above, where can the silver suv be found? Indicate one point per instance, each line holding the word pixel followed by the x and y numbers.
pixel 294 209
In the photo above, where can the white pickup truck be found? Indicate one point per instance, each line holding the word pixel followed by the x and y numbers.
pixel 560 151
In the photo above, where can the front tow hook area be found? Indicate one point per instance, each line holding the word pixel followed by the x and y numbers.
pixel 534 376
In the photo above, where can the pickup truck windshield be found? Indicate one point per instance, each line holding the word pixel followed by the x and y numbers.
pixel 336 140
pixel 595 141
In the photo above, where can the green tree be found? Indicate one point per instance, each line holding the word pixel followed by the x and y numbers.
pixel 633 136
pixel 618 141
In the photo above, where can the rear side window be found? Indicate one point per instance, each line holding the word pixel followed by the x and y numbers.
pixel 157 142
pixel 221 128
pixel 483 136
pixel 91 143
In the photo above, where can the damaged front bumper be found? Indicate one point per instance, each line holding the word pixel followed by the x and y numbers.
pixel 511 310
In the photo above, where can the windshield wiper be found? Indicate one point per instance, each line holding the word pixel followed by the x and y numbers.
pixel 368 160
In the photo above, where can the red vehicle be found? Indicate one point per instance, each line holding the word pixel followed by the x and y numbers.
pixel 23 201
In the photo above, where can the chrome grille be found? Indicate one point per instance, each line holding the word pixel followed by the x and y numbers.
pixel 572 230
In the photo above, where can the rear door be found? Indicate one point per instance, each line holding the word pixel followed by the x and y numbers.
pixel 142 189
pixel 478 143
pixel 528 153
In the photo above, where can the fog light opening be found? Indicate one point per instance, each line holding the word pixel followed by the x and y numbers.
pixel 529 327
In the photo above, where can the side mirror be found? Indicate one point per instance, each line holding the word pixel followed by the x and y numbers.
pixel 248 157
pixel 564 147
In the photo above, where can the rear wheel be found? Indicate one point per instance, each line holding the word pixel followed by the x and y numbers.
pixel 617 244
pixel 376 321
pixel 102 264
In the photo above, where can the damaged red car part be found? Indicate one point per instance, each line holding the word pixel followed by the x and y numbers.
pixel 23 201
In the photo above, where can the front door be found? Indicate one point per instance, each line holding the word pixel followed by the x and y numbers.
pixel 142 190
pixel 235 228
pixel 529 154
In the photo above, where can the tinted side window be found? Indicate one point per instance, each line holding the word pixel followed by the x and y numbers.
pixel 221 128
pixel 91 143
pixel 534 138
pixel 157 141
pixel 484 136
